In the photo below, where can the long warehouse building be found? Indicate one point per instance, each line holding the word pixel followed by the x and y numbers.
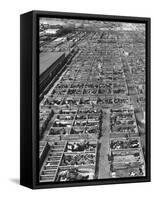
pixel 50 64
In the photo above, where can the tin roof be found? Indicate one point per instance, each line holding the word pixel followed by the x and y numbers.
pixel 47 59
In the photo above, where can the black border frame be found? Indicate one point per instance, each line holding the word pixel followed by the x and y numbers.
pixel 30 176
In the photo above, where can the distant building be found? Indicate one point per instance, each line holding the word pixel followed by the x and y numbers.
pixel 51 31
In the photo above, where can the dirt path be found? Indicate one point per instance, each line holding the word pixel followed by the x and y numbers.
pixel 103 163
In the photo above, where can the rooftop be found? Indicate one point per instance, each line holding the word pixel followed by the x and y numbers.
pixel 47 59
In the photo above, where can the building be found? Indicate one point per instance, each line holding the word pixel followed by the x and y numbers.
pixel 50 64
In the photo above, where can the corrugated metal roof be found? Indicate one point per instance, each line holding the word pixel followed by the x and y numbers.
pixel 47 59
